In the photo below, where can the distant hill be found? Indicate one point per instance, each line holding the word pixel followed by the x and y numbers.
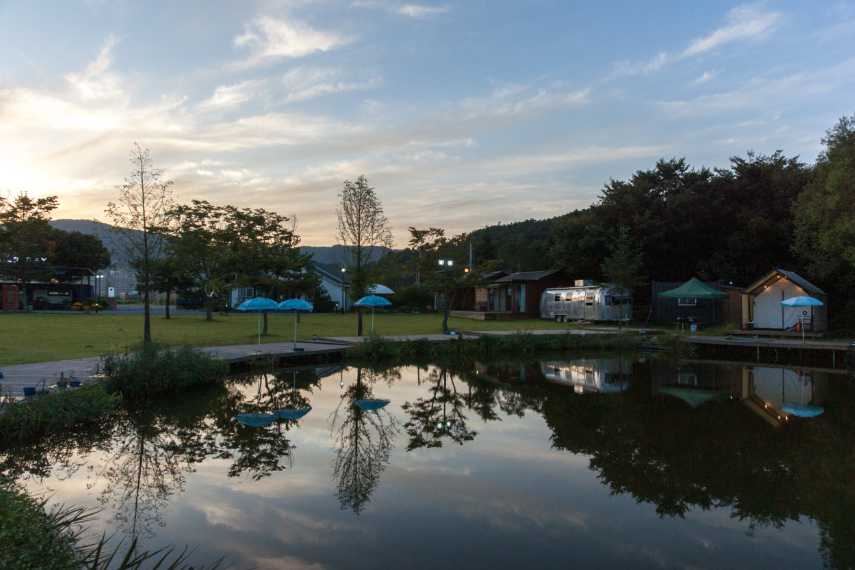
pixel 332 255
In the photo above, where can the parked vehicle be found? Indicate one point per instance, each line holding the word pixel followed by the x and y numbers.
pixel 589 302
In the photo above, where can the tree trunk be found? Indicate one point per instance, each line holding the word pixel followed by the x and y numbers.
pixel 358 322
pixel 264 328
pixel 445 318
pixel 168 298
pixel 147 313
pixel 209 309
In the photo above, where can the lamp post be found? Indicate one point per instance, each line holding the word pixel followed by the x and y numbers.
pixel 444 266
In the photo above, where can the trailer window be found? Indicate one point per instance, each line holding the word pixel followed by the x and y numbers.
pixel 557 298
pixel 687 302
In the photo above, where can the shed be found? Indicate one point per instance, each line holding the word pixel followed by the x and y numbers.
pixel 762 308
pixel 519 293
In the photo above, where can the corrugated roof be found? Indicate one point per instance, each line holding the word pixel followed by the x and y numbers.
pixel 792 276
pixel 332 271
pixel 526 276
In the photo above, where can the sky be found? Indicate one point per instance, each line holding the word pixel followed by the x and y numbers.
pixel 461 113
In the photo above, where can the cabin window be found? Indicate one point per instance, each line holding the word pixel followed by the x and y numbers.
pixel 687 302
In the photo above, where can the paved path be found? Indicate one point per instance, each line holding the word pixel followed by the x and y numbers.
pixel 18 376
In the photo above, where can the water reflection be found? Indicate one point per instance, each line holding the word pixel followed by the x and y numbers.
pixel 684 439
pixel 363 441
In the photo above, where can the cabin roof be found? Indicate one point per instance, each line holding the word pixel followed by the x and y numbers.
pixel 331 271
pixel 789 275
pixel 526 276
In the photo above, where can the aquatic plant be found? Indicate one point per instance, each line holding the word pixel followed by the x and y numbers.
pixel 69 410
pixel 156 370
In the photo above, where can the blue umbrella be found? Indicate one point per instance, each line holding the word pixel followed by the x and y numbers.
pixel 296 306
pixel 371 404
pixel 803 301
pixel 255 420
pixel 374 302
pixel 803 411
pixel 258 305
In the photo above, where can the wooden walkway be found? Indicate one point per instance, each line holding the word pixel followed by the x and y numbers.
pixel 765 342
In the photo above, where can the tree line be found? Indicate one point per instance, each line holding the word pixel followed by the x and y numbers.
pixel 673 221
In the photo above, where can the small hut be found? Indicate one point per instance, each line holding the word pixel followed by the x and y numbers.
pixel 694 300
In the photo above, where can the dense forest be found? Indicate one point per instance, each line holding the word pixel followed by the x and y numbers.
pixel 731 224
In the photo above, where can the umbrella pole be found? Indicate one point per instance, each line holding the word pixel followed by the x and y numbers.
pixel 295 332
pixel 372 319
pixel 259 328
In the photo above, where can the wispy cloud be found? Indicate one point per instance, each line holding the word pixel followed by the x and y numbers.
pixel 415 11
pixel 520 100
pixel 270 38
pixel 230 96
pixel 704 77
pixel 421 10
pixel 96 82
pixel 303 83
pixel 742 23
pixel 748 22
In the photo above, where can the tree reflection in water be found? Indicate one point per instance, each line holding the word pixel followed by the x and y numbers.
pixel 439 416
pixel 363 441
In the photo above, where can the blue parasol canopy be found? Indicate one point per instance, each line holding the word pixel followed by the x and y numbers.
pixel 296 306
pixel 803 411
pixel 293 414
pixel 373 302
pixel 802 301
pixel 258 305
pixel 371 404
pixel 255 420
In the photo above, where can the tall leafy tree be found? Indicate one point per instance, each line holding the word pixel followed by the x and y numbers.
pixel 362 226
pixel 825 215
pixel 138 216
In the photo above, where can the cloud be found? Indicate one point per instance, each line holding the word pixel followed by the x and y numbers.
pixel 520 100
pixel 747 22
pixel 759 92
pixel 741 23
pixel 229 96
pixel 96 82
pixel 414 11
pixel 704 77
pixel 303 83
pixel 270 38
pixel 421 10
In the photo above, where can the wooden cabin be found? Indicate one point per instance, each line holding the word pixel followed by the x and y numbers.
pixel 518 294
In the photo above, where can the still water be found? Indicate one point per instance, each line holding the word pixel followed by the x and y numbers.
pixel 610 462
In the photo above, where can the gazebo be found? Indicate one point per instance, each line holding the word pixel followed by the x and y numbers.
pixel 695 300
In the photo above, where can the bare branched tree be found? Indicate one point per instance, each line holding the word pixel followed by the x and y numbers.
pixel 362 225
pixel 139 216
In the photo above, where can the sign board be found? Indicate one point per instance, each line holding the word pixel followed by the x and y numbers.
pixel 111 292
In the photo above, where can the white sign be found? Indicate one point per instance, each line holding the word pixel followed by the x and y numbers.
pixel 111 292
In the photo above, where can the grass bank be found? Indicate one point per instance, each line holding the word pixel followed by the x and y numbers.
pixel 34 337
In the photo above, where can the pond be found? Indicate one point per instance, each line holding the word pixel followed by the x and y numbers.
pixel 607 462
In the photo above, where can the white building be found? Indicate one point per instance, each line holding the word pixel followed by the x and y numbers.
pixel 762 308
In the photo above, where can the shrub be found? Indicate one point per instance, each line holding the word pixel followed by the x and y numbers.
pixel 157 370
pixel 59 411
pixel 30 537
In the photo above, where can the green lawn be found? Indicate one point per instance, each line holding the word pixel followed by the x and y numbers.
pixel 37 337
